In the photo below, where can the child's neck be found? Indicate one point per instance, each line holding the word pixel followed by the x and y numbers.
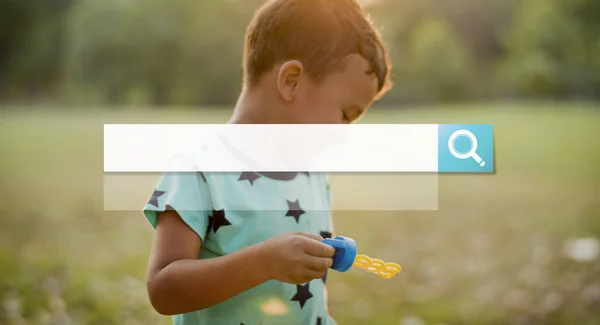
pixel 258 107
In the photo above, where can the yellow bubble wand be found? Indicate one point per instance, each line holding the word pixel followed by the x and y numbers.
pixel 345 257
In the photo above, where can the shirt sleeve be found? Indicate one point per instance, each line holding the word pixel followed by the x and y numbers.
pixel 188 194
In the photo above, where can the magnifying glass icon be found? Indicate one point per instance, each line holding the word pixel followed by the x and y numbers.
pixel 471 153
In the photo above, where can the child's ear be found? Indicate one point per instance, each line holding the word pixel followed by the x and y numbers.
pixel 288 79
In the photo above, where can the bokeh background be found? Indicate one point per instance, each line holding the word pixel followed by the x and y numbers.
pixel 518 247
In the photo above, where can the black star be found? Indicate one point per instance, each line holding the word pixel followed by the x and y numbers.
pixel 306 173
pixel 294 210
pixel 154 199
pixel 324 278
pixel 202 175
pixel 219 220
pixel 325 234
pixel 302 294
pixel 319 320
pixel 249 176
pixel 210 224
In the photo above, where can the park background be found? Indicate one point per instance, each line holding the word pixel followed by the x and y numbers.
pixel 516 247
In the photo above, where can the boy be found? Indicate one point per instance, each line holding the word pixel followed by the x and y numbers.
pixel 232 259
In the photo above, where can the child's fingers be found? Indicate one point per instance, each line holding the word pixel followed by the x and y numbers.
pixel 318 263
pixel 311 236
pixel 319 249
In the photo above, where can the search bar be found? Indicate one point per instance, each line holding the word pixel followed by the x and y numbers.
pixel 421 148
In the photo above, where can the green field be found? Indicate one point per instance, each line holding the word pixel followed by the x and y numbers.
pixel 492 254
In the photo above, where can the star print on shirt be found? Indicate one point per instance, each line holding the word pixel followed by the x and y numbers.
pixel 210 224
pixel 319 320
pixel 219 220
pixel 325 234
pixel 294 210
pixel 249 176
pixel 154 199
pixel 302 294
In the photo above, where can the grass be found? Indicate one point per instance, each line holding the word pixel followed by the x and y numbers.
pixel 492 254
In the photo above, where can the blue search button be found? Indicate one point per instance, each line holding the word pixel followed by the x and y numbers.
pixel 465 148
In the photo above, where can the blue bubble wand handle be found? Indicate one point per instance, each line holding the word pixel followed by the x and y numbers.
pixel 345 252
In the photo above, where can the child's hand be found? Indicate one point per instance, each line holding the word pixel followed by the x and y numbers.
pixel 296 257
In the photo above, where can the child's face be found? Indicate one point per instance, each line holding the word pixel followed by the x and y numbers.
pixel 340 98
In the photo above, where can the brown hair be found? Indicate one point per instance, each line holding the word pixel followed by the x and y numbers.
pixel 318 33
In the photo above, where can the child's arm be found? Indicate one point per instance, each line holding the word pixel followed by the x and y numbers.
pixel 178 282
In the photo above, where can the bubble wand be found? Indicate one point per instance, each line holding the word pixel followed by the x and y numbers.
pixel 345 257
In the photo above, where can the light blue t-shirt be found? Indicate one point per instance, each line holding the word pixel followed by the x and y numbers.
pixel 230 211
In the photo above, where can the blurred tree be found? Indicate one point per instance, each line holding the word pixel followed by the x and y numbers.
pixel 179 52
pixel 101 50
pixel 185 52
pixel 439 63
pixel 550 50
pixel 430 61
pixel 31 44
